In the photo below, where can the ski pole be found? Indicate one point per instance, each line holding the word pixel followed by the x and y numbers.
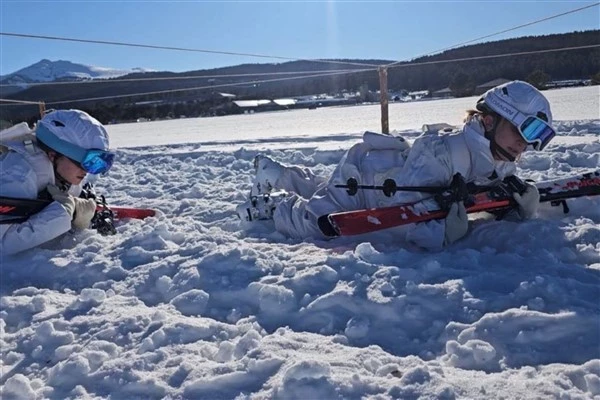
pixel 389 187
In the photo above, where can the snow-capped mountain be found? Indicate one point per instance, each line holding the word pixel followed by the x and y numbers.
pixel 48 71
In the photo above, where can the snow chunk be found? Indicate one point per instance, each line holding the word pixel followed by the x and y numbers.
pixel 474 354
pixel 46 335
pixel 94 296
pixel 417 375
pixel 357 327
pixel 70 373
pixel 276 300
pixel 17 387
pixel 593 384
pixel 193 302
pixel 307 370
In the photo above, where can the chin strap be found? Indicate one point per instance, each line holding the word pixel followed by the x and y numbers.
pixel 494 147
pixel 60 182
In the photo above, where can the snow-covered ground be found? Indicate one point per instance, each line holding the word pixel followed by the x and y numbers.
pixel 192 305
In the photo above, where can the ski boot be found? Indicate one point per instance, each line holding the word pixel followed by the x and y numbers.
pixel 260 207
pixel 267 174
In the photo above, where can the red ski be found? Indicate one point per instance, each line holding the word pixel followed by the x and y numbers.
pixel 125 212
pixel 370 220
pixel 23 208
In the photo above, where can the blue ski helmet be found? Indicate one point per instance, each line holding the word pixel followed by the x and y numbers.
pixel 78 136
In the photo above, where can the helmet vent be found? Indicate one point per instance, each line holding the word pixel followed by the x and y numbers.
pixel 542 115
pixel 505 91
pixel 57 123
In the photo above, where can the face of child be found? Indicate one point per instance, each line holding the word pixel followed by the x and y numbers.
pixel 70 171
pixel 508 138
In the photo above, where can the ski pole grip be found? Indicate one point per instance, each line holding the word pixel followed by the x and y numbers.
pixel 515 185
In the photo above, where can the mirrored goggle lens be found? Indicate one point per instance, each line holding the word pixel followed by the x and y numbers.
pixel 536 132
pixel 97 161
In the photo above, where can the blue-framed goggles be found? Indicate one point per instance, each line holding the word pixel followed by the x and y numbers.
pixel 535 131
pixel 93 161
pixel 97 161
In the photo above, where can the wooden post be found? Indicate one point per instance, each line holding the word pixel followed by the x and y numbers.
pixel 383 98
pixel 42 109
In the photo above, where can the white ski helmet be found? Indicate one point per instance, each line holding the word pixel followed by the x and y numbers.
pixel 525 107
pixel 78 136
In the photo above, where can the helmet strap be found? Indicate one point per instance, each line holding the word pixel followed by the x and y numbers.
pixel 494 146
pixel 60 181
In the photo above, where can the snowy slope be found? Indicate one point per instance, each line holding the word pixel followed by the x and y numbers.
pixel 192 304
pixel 48 71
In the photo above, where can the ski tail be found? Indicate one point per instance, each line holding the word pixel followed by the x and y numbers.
pixel 557 192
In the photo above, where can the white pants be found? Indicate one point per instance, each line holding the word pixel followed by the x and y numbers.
pixel 291 216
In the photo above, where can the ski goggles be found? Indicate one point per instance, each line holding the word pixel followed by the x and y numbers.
pixel 97 161
pixel 534 130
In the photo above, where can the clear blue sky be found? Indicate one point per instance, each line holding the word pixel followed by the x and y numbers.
pixel 394 30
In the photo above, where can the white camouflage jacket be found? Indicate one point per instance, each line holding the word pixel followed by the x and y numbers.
pixel 25 172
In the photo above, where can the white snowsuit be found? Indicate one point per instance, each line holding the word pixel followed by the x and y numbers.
pixel 432 160
pixel 25 172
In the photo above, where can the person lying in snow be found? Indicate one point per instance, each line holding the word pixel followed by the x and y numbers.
pixel 51 163
pixel 484 152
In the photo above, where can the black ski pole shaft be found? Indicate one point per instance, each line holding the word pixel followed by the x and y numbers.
pixel 389 188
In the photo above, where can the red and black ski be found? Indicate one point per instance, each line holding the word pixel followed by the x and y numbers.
pixel 24 208
pixel 370 220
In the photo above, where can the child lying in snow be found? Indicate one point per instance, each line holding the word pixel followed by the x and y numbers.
pixel 507 118
pixel 51 163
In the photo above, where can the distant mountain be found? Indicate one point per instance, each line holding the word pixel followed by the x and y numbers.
pixel 51 71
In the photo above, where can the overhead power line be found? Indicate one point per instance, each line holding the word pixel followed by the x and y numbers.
pixel 18 102
pixel 149 46
pixel 174 78
pixel 503 31
pixel 197 88
pixel 522 53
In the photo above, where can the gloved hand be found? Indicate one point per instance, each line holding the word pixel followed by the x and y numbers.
pixel 81 211
pixel 457 223
pixel 528 202
pixel 64 198
pixel 84 212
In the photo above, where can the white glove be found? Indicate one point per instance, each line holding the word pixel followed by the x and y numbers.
pixel 84 212
pixel 64 198
pixel 528 202
pixel 81 211
pixel 457 223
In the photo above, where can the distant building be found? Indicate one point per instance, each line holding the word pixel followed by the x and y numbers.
pixel 445 93
pixel 419 94
pixel 568 83
pixel 484 87
pixel 285 102
pixel 220 95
